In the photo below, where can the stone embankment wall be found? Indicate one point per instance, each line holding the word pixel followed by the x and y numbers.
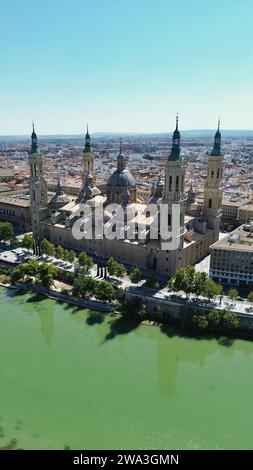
pixel 85 303
pixel 176 310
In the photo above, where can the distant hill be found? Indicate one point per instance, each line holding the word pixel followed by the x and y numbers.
pixel 79 138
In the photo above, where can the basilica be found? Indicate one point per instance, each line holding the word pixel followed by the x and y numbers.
pixel 55 218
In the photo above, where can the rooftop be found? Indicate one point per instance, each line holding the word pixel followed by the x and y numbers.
pixel 240 239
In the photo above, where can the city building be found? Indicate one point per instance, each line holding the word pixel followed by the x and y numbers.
pixel 231 262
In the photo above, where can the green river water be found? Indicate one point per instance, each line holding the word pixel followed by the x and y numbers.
pixel 69 376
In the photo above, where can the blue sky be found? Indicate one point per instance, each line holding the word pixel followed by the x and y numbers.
pixel 125 65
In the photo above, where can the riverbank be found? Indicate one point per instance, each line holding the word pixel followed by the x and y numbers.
pixel 152 311
pixel 52 294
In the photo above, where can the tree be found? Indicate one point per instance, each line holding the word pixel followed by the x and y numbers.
pixel 214 318
pixel 233 294
pixel 47 248
pixel 183 280
pixel 230 320
pixel 27 242
pixel 16 274
pixel 71 256
pixel 188 280
pixel 59 252
pixel 31 268
pixel 199 283
pixel 250 296
pixel 115 268
pixel 6 231
pixel 178 280
pixel 200 321
pixel 170 284
pixel 85 261
pixel 111 266
pixel 212 289
pixel 82 259
pixel 105 291
pixel 65 255
pixel 46 275
pixel 136 275
pixel 83 285
pixel 151 282
pixel 89 262
pixel 120 270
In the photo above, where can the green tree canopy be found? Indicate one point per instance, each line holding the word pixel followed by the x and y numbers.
pixel 71 256
pixel 6 231
pixel 214 318
pixel 212 289
pixel 250 297
pixel 16 274
pixel 136 275
pixel 233 294
pixel 105 291
pixel 115 268
pixel 59 252
pixel 83 285
pixel 199 282
pixel 27 242
pixel 85 261
pixel 151 282
pixel 47 272
pixel 200 321
pixel 31 268
pixel 47 248
pixel 230 320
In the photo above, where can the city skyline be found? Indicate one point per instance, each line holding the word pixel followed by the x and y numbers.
pixel 125 67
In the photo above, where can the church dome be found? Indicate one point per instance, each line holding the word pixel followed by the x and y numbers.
pixel 60 198
pixel 122 178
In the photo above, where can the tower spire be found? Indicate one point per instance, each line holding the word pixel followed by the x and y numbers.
pixel 177 122
pixel 87 147
pixel 34 146
pixel 175 149
pixel 216 152
pixel 121 164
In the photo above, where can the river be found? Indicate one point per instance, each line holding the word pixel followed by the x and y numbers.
pixel 72 377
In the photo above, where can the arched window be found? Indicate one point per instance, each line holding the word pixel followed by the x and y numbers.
pixel 210 203
pixel 177 183
pixel 170 183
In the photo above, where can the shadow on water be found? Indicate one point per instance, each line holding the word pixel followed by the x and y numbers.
pixel 15 292
pixel 122 326
pixel 175 330
pixel 95 318
pixel 75 308
pixel 36 298
pixel 225 341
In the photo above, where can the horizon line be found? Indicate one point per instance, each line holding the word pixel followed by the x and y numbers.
pixel 127 132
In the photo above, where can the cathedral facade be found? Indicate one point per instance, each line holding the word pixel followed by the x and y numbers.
pixel 56 219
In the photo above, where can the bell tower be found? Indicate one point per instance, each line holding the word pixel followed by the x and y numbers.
pixel 213 187
pixel 174 187
pixel 37 187
pixel 88 159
